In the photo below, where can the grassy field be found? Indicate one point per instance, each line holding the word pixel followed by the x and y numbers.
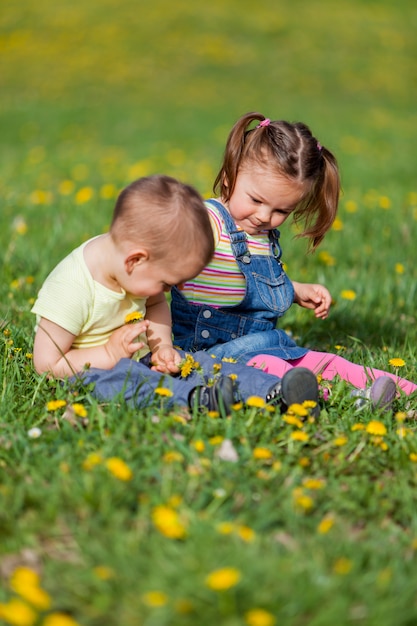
pixel 115 517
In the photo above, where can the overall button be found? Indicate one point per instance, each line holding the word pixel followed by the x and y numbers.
pixel 207 313
pixel 246 259
pixel 233 335
pixel 205 334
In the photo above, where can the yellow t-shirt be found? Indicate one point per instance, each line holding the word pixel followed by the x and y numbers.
pixel 71 298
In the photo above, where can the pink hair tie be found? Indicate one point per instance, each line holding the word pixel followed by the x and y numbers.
pixel 265 122
pixel 319 146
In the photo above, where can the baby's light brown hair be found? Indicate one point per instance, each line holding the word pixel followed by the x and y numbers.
pixel 165 216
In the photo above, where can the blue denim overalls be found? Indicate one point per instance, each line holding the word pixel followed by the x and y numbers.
pixel 248 328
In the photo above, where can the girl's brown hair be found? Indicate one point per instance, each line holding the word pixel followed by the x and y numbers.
pixel 297 155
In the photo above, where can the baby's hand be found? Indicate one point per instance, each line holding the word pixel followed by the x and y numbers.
pixel 315 297
pixel 165 359
pixel 123 342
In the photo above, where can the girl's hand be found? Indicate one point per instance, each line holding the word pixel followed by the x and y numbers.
pixel 123 342
pixel 315 297
pixel 165 359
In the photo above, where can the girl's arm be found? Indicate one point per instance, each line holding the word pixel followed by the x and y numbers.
pixel 312 296
pixel 52 352
pixel 159 334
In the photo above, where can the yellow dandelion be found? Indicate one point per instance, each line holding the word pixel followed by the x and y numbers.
pixel 108 191
pixel 164 392
pixel 413 457
pixel 228 360
pixel 337 224
pixel 400 416
pixel 186 367
pixel 155 599
pixel 79 409
pixel 54 405
pixel 175 500
pixel 342 566
pixel 259 617
pixel 199 445
pixel 135 316
pixel 19 225
pixel 17 613
pixel 384 202
pixel 238 406
pixel 399 268
pixel 262 454
pixel 92 460
pixel 119 469
pixel 304 461
pixel 217 367
pixel 374 427
pixel 216 441
pixel 325 525
pixel 256 402
pixel 246 533
pixel 340 441
pixel 213 414
pixel 348 294
pixel 167 521
pixel 223 579
pixel 396 362
pixel 299 435
pixel 357 426
pixel 304 502
pixel 326 258
pixel 103 572
pixel 59 619
pixel 66 187
pixel 225 528
pixel 351 206
pixel 298 409
pixel 84 195
pixel 172 457
pixel 183 606
pixel 313 483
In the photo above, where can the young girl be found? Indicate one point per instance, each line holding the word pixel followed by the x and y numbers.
pixel 159 236
pixel 270 172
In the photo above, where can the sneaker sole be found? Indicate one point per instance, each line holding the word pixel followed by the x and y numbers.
pixel 298 385
pixel 383 392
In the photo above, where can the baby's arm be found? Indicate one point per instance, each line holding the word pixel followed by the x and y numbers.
pixel 164 357
pixel 312 296
pixel 52 350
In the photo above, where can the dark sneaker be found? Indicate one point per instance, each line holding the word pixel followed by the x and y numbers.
pixel 219 397
pixel 296 386
pixel 381 394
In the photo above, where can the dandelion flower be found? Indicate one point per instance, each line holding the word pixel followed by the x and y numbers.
pixel 396 362
pixel 340 441
pixel 262 454
pixel 59 619
pixel 155 599
pixel 172 456
pixel 54 405
pixel 259 617
pixel 256 402
pixel 374 427
pixel 18 613
pixel 413 457
pixel 299 435
pixel 199 445
pixel 119 469
pixel 342 566
pixel 79 409
pixel 298 409
pixel 246 533
pixel 132 318
pixel 313 483
pixel 84 195
pixel 164 392
pixel 348 294
pixel 168 523
pixel 325 525
pixel 223 578
pixel 92 460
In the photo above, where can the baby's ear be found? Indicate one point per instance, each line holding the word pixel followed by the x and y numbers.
pixel 135 258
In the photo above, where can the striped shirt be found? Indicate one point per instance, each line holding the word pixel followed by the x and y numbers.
pixel 221 283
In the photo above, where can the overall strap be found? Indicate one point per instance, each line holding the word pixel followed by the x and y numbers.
pixel 237 237
pixel 275 245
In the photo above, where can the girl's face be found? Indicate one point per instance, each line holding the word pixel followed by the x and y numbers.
pixel 262 199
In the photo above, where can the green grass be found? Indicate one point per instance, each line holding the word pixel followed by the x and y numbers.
pixel 95 94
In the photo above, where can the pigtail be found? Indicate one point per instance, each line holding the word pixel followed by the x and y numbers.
pixel 226 178
pixel 321 202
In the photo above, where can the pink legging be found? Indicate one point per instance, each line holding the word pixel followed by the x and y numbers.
pixel 329 366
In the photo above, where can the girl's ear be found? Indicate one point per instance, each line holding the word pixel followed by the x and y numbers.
pixel 135 258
